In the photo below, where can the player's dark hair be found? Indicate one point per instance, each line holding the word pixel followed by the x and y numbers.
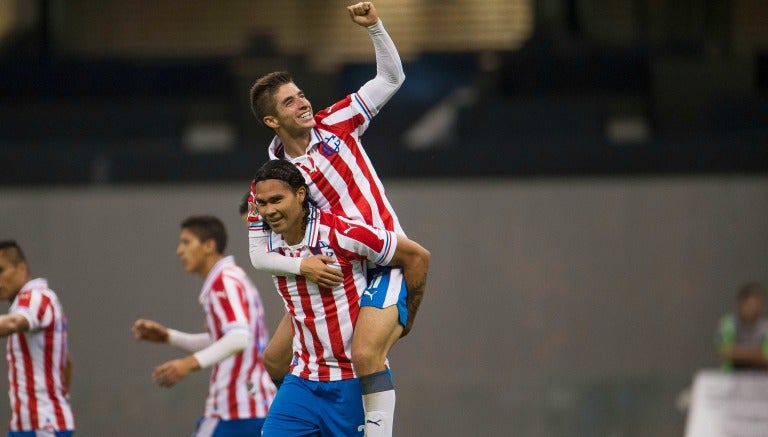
pixel 285 171
pixel 749 290
pixel 242 206
pixel 11 251
pixel 207 227
pixel 263 93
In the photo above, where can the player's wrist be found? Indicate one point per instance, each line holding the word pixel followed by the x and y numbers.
pixel 373 28
pixel 171 335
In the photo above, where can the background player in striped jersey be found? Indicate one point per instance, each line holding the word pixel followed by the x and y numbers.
pixel 321 396
pixel 39 367
pixel 326 148
pixel 240 390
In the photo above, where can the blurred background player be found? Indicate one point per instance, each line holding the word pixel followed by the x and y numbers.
pixel 240 391
pixel 743 336
pixel 321 394
pixel 39 365
pixel 242 207
pixel 326 148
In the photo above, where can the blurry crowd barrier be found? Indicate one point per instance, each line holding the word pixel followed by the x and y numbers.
pixel 728 404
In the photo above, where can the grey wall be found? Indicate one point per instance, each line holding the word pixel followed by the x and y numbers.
pixel 554 308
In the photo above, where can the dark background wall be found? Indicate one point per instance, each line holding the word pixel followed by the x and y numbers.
pixel 555 307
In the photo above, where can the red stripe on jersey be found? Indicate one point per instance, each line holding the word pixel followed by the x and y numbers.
pixel 334 331
pixel 282 286
pixel 50 331
pixel 219 293
pixel 343 130
pixel 309 322
pixel 232 386
pixel 216 334
pixel 24 298
pixel 378 196
pixel 29 376
pixel 14 386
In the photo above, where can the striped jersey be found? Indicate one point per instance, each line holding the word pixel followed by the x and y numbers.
pixel 240 387
pixel 337 169
pixel 37 359
pixel 324 319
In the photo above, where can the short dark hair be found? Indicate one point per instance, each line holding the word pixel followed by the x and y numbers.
pixel 12 252
pixel 751 289
pixel 285 171
pixel 242 206
pixel 207 227
pixel 263 93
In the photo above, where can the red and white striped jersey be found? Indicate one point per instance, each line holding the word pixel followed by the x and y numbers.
pixel 323 318
pixel 37 359
pixel 337 169
pixel 240 387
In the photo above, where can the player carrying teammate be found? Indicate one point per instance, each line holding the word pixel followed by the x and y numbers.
pixel 321 396
pixel 326 148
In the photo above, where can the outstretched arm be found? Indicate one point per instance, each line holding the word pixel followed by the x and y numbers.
pixel 12 323
pixel 414 259
pixel 171 372
pixel 389 68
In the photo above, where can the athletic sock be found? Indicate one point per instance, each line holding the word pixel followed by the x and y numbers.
pixel 379 403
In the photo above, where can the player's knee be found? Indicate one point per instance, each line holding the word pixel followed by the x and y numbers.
pixel 368 357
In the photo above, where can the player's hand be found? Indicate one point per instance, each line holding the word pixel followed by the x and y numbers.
pixel 149 330
pixel 171 372
pixel 316 269
pixel 363 13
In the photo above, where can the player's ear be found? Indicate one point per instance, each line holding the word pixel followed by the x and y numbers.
pixel 23 267
pixel 301 193
pixel 271 122
pixel 210 246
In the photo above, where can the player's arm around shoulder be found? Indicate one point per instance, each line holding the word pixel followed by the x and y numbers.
pixel 13 323
pixel 414 259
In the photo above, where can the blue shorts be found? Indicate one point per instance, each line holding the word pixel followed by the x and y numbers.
pixel 386 287
pixel 213 427
pixel 39 433
pixel 305 408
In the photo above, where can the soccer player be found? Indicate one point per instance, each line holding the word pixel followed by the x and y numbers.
pixel 320 395
pixel 240 391
pixel 326 147
pixel 39 366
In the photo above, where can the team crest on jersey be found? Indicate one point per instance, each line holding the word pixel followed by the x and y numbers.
pixel 330 145
pixel 322 249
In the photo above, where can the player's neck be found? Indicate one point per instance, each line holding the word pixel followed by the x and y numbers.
pixel 295 145
pixel 208 266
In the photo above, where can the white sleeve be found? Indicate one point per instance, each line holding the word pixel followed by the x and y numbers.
pixel 188 342
pixel 272 262
pixel 389 70
pixel 232 342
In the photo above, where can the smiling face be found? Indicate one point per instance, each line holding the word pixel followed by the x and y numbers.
pixel 282 208
pixel 293 112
